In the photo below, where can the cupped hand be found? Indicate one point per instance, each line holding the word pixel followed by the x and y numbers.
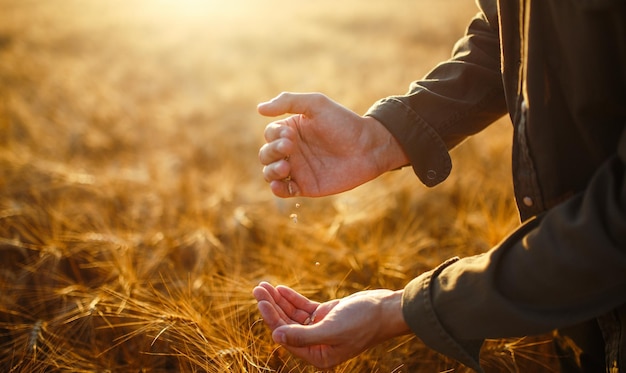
pixel 327 334
pixel 324 148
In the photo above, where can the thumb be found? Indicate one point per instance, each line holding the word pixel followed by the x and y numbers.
pixel 300 335
pixel 289 103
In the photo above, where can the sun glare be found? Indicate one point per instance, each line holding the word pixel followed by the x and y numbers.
pixel 197 14
pixel 196 8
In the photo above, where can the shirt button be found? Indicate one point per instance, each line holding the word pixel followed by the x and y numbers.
pixel 431 174
pixel 527 201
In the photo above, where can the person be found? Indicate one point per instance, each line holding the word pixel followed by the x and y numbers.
pixel 558 68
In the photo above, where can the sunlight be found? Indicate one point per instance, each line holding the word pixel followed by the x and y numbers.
pixel 187 9
pixel 197 14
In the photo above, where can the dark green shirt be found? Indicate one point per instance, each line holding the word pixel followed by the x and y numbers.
pixel 558 68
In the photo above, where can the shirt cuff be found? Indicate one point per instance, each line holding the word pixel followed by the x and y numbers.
pixel 424 147
pixel 420 315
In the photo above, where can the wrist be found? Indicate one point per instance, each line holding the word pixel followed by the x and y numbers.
pixel 395 325
pixel 385 150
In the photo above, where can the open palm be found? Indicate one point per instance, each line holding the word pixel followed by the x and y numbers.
pixel 327 334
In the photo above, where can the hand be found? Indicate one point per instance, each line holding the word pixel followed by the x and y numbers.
pixel 324 148
pixel 327 334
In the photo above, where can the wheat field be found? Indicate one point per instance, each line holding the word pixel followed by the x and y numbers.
pixel 134 219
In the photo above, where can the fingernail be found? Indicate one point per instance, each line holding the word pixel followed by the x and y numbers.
pixel 279 337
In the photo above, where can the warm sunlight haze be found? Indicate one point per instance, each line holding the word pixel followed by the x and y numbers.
pixel 134 217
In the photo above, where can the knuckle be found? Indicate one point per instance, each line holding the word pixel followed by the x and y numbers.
pixel 261 153
pixel 282 95
pixel 266 175
pixel 318 97
pixel 270 129
pixel 298 340
pixel 280 148
pixel 273 172
pixel 264 157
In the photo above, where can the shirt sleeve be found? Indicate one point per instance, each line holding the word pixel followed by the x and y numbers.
pixel 456 99
pixel 561 268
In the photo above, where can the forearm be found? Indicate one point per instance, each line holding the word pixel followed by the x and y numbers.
pixel 455 100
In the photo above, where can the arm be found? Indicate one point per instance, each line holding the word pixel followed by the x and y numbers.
pixel 326 149
pixel 455 100
pixel 562 268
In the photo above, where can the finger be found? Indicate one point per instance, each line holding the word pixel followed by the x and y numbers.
pixel 266 293
pixel 324 309
pixel 320 344
pixel 293 103
pixel 295 335
pixel 260 293
pixel 269 288
pixel 285 188
pixel 270 315
pixel 292 311
pixel 279 129
pixel 278 170
pixel 297 299
pixel 275 150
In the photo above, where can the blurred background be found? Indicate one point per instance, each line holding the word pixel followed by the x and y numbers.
pixel 134 219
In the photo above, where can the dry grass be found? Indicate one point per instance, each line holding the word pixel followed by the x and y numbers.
pixel 134 221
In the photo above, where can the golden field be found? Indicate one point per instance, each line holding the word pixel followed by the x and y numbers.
pixel 134 218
